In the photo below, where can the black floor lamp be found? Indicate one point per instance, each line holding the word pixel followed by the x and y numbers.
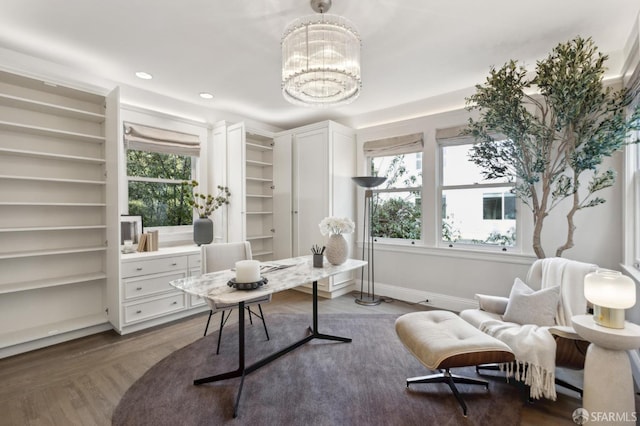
pixel 368 182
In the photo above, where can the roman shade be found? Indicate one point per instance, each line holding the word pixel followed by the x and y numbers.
pixel 147 138
pixel 394 146
pixel 456 136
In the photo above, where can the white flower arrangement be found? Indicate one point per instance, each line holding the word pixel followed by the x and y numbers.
pixel 336 225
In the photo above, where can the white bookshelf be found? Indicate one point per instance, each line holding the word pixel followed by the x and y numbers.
pixel 251 218
pixel 54 225
pixel 259 194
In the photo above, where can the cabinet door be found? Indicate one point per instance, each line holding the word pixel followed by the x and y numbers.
pixel 236 182
pixel 282 203
pixel 311 188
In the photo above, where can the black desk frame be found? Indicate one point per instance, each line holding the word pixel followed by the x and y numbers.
pixel 243 370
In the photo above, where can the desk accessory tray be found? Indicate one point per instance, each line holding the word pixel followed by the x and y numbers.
pixel 247 286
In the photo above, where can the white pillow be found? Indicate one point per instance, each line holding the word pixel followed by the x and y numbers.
pixel 532 307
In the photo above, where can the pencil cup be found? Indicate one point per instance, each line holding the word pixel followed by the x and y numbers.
pixel 317 260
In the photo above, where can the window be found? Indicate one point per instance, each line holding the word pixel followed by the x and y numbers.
pixel 634 150
pixel 474 211
pixel 158 162
pixel 397 211
pixel 498 206
pixel 155 187
pixel 631 194
pixel 398 201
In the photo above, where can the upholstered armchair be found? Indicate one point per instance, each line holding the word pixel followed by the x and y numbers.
pixel 536 324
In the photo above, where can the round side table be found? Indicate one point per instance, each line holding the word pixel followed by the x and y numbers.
pixel 608 382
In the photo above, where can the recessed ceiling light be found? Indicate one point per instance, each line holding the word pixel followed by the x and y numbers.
pixel 206 95
pixel 144 75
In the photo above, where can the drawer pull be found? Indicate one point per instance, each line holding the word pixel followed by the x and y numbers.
pixel 139 268
pixel 174 303
pixel 138 312
pixel 138 288
pixel 174 264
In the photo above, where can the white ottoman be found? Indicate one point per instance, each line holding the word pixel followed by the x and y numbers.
pixel 441 340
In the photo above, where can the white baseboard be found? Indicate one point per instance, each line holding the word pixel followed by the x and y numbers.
pixel 427 298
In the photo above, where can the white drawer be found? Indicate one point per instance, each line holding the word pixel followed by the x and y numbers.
pixel 148 285
pixel 134 312
pixel 195 261
pixel 153 266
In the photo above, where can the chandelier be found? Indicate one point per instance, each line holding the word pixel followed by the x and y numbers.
pixel 321 59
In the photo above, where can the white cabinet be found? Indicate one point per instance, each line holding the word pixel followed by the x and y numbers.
pixel 324 161
pixel 146 297
pixel 55 231
pixel 250 177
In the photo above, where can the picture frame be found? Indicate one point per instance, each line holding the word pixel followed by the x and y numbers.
pixel 130 229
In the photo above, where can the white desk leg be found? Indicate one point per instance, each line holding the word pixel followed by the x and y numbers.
pixel 608 386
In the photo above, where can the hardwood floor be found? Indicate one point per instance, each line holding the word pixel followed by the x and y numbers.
pixel 80 382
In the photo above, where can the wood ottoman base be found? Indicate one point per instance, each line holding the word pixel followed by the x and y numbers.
pixel 441 340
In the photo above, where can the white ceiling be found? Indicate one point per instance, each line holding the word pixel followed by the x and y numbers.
pixel 412 50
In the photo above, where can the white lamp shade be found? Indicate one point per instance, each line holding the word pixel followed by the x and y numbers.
pixel 610 289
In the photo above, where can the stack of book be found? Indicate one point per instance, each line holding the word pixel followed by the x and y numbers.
pixel 148 241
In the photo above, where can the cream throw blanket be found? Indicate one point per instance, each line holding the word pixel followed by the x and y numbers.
pixel 534 347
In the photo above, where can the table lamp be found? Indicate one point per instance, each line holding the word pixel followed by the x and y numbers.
pixel 611 293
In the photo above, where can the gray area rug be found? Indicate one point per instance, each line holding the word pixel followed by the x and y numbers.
pixel 320 383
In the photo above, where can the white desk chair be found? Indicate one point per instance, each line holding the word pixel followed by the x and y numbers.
pixel 217 257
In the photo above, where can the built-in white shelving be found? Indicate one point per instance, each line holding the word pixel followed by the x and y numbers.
pixel 256 179
pixel 259 194
pixel 42 204
pixel 49 108
pixel 254 149
pixel 50 329
pixel 54 232
pixel 258 163
pixel 56 180
pixel 44 283
pixel 54 133
pixel 52 228
pixel 39 154
pixel 39 253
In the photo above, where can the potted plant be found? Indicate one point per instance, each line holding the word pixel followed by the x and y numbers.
pixel 337 246
pixel 205 205
pixel 554 142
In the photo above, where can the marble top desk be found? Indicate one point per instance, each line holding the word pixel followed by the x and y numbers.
pixel 287 274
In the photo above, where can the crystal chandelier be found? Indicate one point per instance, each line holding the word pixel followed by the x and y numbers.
pixel 321 59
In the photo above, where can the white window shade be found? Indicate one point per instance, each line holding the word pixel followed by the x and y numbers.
pixel 394 146
pixel 153 139
pixel 456 136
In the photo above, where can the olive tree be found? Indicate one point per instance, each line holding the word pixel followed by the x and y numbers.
pixel 549 129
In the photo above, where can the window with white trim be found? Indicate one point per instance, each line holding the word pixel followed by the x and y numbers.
pixel 634 150
pixel 158 162
pixel 474 212
pixel 636 206
pixel 397 211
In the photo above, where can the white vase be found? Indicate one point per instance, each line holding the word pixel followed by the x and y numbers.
pixel 337 249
